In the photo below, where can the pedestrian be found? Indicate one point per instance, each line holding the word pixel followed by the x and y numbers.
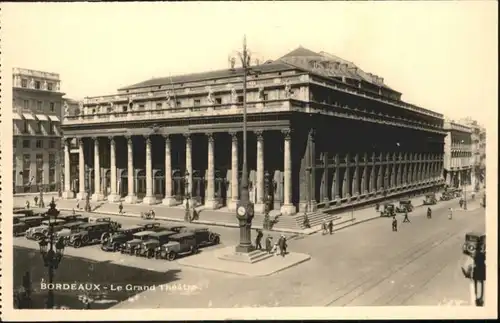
pixel 330 226
pixel 152 214
pixel 78 204
pixel 120 208
pixel 377 207
pixel 323 225
pixel 269 243
pixel 282 245
pixel 36 200
pixel 450 213
pixel 406 219
pixel 394 224
pixel 258 239
pixel 461 202
pixel 275 247
pixel 429 213
pixel 27 204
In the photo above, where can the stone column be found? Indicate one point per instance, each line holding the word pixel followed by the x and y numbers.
pixel 364 179
pixel 355 179
pixel 169 199
pixel 82 194
pixel 324 181
pixel 210 202
pixel 131 197
pixel 380 175
pixel 387 166
pixel 189 166
pixel 97 196
pixel 346 183
pixel 394 170
pixel 373 176
pixel 113 196
pixel 67 193
pixel 287 208
pixel 234 172
pixel 260 205
pixel 336 180
pixel 149 199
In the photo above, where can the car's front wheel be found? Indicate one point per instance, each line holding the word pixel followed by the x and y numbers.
pixel 171 256
pixel 77 243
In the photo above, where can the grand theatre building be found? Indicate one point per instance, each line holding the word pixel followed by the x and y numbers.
pixel 321 134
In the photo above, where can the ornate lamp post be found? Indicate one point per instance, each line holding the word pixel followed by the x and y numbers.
pixel 187 196
pixel 245 209
pixel 51 253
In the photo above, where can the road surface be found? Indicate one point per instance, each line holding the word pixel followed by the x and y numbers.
pixel 363 265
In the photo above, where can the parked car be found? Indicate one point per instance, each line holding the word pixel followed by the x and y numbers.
pixel 404 206
pixel 430 199
pixel 176 228
pixel 99 219
pixel 117 239
pixel 388 210
pixel 23 212
pixel 41 231
pixel 130 246
pixel 92 233
pixel 73 218
pixel 204 237
pixel 178 244
pixel 68 229
pixel 446 196
pixel 148 248
pixel 25 223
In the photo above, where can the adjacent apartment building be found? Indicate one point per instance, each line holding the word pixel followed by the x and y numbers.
pixel 478 137
pixel 37 114
pixel 458 158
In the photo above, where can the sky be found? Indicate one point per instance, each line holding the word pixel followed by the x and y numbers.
pixel 441 55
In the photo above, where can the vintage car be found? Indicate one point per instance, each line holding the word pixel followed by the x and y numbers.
pixel 474 241
pixel 148 248
pixel 73 218
pixel 118 238
pixel 458 192
pixel 178 244
pixel 204 237
pixel 388 210
pixel 404 206
pixel 130 246
pixel 98 219
pixel 446 196
pixel 23 224
pixel 41 231
pixel 68 229
pixel 430 199
pixel 23 212
pixel 176 228
pixel 91 233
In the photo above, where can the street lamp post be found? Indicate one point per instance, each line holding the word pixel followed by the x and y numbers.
pixel 51 257
pixel 187 193
pixel 245 209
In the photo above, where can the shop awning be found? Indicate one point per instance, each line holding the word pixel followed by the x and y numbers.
pixel 28 116
pixel 16 116
pixel 41 117
pixel 54 118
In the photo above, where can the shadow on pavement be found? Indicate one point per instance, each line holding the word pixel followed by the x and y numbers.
pixel 97 280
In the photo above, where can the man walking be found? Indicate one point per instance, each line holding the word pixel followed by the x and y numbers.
pixel 330 226
pixel 258 239
pixel 324 227
pixel 120 208
pixel 394 224
pixel 406 219
pixel 282 245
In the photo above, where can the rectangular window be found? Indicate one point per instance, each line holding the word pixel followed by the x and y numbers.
pixel 141 107
pixel 49 86
pixel 51 128
pixel 26 104
pixel 197 103
pixel 178 104
pixel 159 106
pixel 37 85
pixel 26 128
pixel 52 107
pixel 52 144
pixel 26 143
pixel 39 106
pixel 265 97
pixel 24 83
pixel 14 142
pixel 26 168
pixel 218 101
pixel 39 169
pixel 39 143
pixel 39 127
pixel 125 108
pixel 52 168
pixel 240 98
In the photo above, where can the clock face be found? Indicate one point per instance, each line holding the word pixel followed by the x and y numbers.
pixel 241 211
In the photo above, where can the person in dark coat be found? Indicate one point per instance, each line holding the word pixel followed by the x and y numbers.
pixel 330 226
pixel 429 213
pixel 406 219
pixel 120 207
pixel 269 244
pixel 394 224
pixel 282 245
pixel 258 239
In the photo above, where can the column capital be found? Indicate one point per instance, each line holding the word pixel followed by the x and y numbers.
pixel 259 134
pixel 148 139
pixel 287 133
pixel 210 136
pixel 80 141
pixel 166 136
pixel 111 139
pixel 95 138
pixel 234 136
pixel 129 139
pixel 188 137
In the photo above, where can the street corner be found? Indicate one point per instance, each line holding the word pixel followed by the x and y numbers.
pixel 222 260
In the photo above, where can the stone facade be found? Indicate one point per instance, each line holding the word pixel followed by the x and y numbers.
pixel 37 114
pixel 313 141
pixel 458 159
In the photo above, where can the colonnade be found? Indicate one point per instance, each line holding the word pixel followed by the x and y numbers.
pixel 169 200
